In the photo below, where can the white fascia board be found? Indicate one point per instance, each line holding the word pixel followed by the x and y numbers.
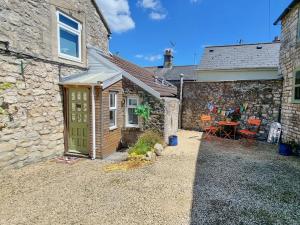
pixel 111 81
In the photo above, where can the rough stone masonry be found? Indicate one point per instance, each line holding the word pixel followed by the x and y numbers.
pixel 262 97
pixel 289 61
pixel 31 112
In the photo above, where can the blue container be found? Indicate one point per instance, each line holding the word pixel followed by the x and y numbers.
pixel 285 149
pixel 173 140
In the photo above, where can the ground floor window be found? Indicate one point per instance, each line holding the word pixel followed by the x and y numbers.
pixel 112 110
pixel 131 118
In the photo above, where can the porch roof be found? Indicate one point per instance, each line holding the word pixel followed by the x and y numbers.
pixel 98 73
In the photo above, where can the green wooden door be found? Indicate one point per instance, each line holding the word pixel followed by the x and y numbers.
pixel 78 120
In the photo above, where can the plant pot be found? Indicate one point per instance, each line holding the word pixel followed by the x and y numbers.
pixel 173 140
pixel 285 149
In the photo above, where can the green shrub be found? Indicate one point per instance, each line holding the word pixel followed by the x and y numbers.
pixel 146 143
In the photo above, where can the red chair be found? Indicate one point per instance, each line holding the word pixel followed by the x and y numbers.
pixel 207 126
pixel 253 128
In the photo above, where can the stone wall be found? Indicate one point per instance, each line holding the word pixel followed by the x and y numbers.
pixel 263 98
pixel 31 120
pixel 30 26
pixel 289 61
pixel 31 106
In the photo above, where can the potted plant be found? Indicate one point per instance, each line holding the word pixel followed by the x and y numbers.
pixel 143 111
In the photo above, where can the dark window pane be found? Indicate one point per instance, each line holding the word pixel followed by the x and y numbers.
pixel 297 93
pixel 112 120
pixel 132 102
pixel 297 79
pixel 68 22
pixel 132 117
pixel 112 100
pixel 69 43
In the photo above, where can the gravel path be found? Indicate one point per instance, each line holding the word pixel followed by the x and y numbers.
pixel 228 185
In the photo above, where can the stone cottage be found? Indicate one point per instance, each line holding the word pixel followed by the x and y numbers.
pixel 59 91
pixel 290 70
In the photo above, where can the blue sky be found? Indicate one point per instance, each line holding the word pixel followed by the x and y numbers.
pixel 143 29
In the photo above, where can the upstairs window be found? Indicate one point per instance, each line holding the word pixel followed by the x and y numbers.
pixel 297 87
pixel 131 117
pixel 112 110
pixel 69 37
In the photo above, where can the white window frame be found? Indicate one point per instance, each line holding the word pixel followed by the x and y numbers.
pixel 71 30
pixel 114 109
pixel 295 101
pixel 131 107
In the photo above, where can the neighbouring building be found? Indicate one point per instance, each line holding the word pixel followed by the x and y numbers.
pixel 229 77
pixel 232 77
pixel 290 70
pixel 171 73
pixel 61 91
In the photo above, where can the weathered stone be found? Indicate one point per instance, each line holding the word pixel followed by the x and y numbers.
pixel 230 95
pixel 6 156
pixel 289 62
pixel 158 149
pixel 7 146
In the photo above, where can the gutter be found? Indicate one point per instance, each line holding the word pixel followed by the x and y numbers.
pixel 237 69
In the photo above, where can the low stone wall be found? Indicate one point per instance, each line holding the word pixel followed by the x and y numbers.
pixel 262 97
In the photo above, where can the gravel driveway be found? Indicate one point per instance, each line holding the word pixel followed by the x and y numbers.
pixel 223 183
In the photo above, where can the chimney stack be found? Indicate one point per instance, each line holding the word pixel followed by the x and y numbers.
pixel 168 60
pixel 276 39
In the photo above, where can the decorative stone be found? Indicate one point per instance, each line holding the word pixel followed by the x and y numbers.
pixel 158 149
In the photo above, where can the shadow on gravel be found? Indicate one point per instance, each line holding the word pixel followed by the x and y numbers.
pixel 241 185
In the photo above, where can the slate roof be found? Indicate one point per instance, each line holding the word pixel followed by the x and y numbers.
pixel 245 56
pixel 286 11
pixel 173 73
pixel 146 76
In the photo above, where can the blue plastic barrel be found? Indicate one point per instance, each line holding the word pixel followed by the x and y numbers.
pixel 285 149
pixel 173 140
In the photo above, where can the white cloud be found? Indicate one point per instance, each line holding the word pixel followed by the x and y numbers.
pixel 150 58
pixel 139 56
pixel 157 12
pixel 195 1
pixel 157 16
pixel 153 58
pixel 149 4
pixel 117 13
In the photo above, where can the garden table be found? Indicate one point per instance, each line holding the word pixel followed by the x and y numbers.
pixel 227 134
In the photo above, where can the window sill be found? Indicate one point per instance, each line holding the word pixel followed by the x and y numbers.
pixel 70 58
pixel 113 128
pixel 132 126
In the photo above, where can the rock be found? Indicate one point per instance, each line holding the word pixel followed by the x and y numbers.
pixel 6 146
pixel 158 149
